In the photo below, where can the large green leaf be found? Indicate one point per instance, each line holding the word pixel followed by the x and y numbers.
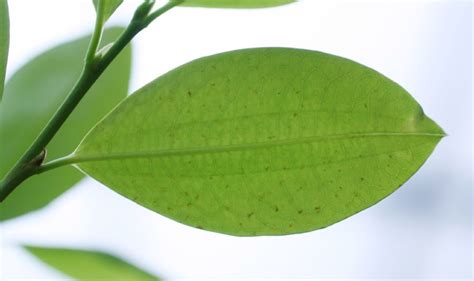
pixel 107 8
pixel 89 265
pixel 261 142
pixel 236 3
pixel 32 96
pixel 4 42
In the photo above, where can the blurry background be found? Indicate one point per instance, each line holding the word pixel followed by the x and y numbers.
pixel 424 230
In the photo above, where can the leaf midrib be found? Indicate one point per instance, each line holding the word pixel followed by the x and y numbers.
pixel 75 159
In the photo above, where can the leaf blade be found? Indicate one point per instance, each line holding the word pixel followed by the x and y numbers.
pixel 264 141
pixel 242 4
pixel 4 42
pixel 51 75
pixel 89 265
pixel 107 8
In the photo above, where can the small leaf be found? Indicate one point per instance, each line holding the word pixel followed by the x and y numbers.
pixel 4 42
pixel 89 265
pixel 261 142
pixel 236 3
pixel 107 9
pixel 32 96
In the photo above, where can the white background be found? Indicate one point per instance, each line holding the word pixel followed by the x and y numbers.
pixel 424 230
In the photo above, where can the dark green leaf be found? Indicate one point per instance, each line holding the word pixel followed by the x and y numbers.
pixel 4 42
pixel 32 96
pixel 261 142
pixel 89 265
pixel 107 9
pixel 236 3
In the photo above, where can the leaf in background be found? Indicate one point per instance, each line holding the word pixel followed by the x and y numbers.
pixel 4 42
pixel 89 265
pixel 32 96
pixel 261 142
pixel 108 8
pixel 236 3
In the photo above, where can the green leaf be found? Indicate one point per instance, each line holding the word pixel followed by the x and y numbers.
pixel 89 265
pixel 236 3
pixel 261 142
pixel 32 96
pixel 4 42
pixel 107 8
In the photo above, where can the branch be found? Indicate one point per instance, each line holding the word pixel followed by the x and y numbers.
pixel 93 68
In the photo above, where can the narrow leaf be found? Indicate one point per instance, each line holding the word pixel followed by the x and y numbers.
pixel 261 142
pixel 89 265
pixel 107 9
pixel 236 3
pixel 32 96
pixel 4 42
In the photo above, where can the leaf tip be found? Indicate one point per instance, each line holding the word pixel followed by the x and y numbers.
pixel 30 248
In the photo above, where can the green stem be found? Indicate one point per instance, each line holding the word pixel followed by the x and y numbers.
pixel 171 4
pixel 96 36
pixel 92 70
pixel 57 163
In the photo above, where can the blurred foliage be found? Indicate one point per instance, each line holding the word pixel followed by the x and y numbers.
pixel 32 96
pixel 89 265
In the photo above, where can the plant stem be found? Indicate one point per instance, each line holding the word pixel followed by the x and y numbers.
pixel 96 36
pixel 162 10
pixel 93 68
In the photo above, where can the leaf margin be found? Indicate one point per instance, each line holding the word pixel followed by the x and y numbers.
pixel 235 4
pixel 5 42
